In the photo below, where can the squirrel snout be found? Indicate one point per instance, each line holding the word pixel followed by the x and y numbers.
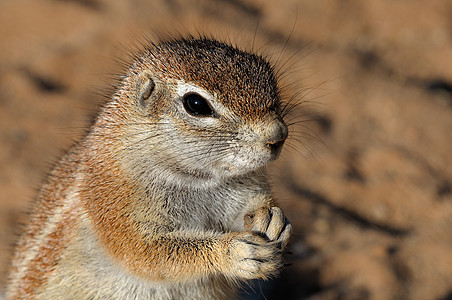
pixel 276 135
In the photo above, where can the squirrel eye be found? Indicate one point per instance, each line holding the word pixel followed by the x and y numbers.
pixel 196 105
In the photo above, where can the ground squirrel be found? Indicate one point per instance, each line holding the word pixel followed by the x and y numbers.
pixel 166 196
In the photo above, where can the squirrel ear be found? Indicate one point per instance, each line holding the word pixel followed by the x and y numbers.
pixel 145 87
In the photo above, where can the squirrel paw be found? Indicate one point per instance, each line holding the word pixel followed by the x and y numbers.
pixel 253 256
pixel 271 222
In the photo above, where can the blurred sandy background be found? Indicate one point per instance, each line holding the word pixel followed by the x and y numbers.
pixel 369 189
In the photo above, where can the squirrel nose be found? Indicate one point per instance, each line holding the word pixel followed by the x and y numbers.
pixel 277 134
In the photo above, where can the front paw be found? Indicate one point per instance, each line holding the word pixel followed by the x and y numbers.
pixel 271 222
pixel 251 255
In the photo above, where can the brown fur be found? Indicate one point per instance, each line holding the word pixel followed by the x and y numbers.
pixel 157 203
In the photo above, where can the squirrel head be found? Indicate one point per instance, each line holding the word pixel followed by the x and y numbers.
pixel 200 108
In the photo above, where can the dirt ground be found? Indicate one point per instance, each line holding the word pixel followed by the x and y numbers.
pixel 366 178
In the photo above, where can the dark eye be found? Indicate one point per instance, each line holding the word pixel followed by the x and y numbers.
pixel 196 105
